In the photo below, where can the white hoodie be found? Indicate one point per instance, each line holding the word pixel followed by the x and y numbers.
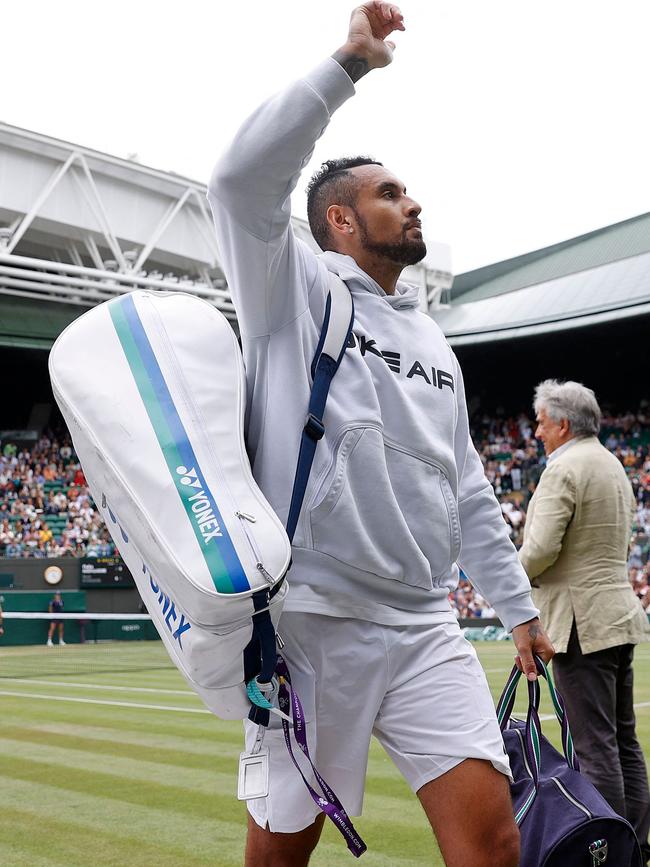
pixel 396 479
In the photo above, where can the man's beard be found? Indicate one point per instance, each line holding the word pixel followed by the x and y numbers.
pixel 404 252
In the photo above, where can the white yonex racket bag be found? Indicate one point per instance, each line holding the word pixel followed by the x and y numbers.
pixel 152 388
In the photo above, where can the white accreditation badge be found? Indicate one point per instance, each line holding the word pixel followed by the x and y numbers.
pixel 253 775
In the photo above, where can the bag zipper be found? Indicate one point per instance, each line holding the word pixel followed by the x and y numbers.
pixel 245 518
pixel 194 413
pixel 570 798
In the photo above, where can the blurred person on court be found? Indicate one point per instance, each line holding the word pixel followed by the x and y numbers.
pixel 55 607
pixel 575 550
pixel 397 496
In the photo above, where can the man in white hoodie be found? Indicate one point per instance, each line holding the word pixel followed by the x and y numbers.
pixel 397 496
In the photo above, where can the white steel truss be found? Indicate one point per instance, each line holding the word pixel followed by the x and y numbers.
pixel 76 282
pixel 88 188
pixel 46 279
pixel 73 284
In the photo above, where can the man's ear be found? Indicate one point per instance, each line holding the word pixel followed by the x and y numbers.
pixel 340 219
pixel 565 427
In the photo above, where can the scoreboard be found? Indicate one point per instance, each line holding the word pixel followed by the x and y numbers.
pixel 102 572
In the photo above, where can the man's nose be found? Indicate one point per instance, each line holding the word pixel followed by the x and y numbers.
pixel 413 209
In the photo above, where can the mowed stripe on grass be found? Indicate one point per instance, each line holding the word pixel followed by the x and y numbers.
pixel 122 784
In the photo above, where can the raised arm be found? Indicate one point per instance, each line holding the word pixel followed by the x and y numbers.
pixel 269 271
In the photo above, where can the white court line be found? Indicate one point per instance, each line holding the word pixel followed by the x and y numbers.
pixel 547 716
pixel 36 695
pixel 101 701
pixel 105 686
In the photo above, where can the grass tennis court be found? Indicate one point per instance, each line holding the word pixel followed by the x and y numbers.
pixel 117 768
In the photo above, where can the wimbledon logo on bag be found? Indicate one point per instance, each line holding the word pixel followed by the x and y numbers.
pixel 201 508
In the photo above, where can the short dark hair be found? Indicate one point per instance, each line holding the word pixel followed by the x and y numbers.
pixel 332 184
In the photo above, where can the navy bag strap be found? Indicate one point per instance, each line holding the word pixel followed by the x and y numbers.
pixel 507 702
pixel 533 730
pixel 334 338
pixel 335 334
pixel 260 654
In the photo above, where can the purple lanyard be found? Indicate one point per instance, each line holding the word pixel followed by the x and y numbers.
pixel 330 804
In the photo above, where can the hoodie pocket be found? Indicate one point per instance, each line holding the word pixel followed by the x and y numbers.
pixel 388 511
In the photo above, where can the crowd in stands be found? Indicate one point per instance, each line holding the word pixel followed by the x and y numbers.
pixel 46 509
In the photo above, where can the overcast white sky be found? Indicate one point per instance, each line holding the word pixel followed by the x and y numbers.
pixel 515 123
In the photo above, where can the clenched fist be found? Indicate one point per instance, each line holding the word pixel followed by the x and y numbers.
pixel 367 46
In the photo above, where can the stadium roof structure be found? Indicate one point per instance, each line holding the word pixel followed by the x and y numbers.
pixel 594 278
pixel 78 227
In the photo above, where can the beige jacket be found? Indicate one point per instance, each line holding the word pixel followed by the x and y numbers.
pixel 575 550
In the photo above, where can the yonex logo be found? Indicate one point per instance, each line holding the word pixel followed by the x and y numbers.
pixel 167 604
pixel 201 506
pixel 168 609
pixel 189 477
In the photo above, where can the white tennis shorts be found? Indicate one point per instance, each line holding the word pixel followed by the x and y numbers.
pixel 419 689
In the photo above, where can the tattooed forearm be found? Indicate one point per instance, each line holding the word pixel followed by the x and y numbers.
pixel 534 631
pixel 355 66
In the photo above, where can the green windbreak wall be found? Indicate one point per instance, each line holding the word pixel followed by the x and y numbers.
pixel 34 324
pixel 38 600
pixel 35 631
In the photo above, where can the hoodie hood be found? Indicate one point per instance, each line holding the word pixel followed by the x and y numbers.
pixel 406 294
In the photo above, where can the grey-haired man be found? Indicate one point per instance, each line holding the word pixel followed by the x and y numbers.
pixel 575 553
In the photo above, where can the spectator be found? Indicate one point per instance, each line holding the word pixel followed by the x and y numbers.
pixel 51 507
pixel 574 551
pixel 14 548
pixel 9 450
